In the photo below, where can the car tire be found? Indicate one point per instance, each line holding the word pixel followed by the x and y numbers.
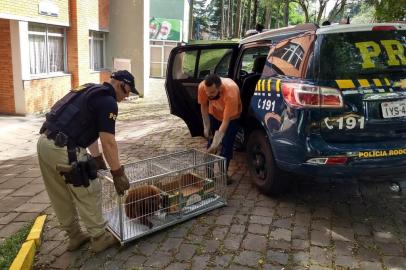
pixel 261 163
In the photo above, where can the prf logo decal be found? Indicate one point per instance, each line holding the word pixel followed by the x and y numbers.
pixel 113 116
pixel 370 49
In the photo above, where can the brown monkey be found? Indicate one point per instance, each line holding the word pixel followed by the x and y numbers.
pixel 141 202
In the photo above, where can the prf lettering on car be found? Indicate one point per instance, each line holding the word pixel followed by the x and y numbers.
pixel 394 49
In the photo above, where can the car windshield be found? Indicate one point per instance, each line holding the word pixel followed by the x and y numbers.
pixel 357 54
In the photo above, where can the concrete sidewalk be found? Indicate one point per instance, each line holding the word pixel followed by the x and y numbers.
pixel 320 224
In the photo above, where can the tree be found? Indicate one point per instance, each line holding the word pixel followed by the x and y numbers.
pixel 215 18
pixel 390 10
pixel 246 16
pixel 366 14
pixel 305 5
pixel 338 10
pixel 286 13
pixel 230 19
pixel 322 6
pixel 237 26
pixel 254 13
pixel 200 19
pixel 296 14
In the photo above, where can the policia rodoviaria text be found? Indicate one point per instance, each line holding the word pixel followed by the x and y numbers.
pixel 75 123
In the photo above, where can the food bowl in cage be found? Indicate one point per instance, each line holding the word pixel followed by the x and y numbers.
pixel 164 190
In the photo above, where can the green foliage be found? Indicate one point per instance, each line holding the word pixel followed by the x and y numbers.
pixel 390 10
pixel 200 18
pixel 214 16
pixel 296 14
pixel 10 247
pixel 366 14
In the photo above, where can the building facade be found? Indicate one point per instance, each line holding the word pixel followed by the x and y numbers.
pixel 48 47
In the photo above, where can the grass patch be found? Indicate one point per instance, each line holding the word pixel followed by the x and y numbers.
pixel 10 247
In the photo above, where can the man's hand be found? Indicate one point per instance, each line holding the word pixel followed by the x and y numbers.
pixel 101 165
pixel 217 139
pixel 120 180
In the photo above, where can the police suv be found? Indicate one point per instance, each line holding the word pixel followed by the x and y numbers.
pixel 320 101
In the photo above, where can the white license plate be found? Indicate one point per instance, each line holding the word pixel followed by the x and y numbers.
pixel 394 109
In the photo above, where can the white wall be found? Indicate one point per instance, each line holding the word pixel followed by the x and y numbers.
pixel 128 38
pixel 186 9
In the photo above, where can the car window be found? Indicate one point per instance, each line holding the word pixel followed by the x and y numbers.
pixel 223 67
pixel 356 54
pixel 210 59
pixel 184 65
pixel 288 56
pixel 248 58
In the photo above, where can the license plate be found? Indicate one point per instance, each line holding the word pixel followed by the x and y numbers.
pixel 394 109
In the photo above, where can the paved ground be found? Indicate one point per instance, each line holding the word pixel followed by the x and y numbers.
pixel 320 224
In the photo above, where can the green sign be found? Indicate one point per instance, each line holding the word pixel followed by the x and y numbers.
pixel 165 29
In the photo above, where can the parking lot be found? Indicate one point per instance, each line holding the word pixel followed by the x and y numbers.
pixel 319 224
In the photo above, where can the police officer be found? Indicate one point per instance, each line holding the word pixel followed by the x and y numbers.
pixel 75 123
pixel 221 107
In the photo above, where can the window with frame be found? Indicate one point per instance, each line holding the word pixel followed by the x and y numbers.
pixel 291 53
pixel 96 50
pixel 46 49
pixel 249 57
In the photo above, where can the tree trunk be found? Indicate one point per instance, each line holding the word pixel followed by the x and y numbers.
pixel 237 25
pixel 277 15
pixel 306 12
pixel 337 10
pixel 254 14
pixel 248 25
pixel 191 20
pixel 222 19
pixel 230 19
pixel 286 13
pixel 268 10
pixel 321 10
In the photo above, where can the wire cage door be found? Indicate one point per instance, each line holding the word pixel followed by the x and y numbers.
pixel 164 190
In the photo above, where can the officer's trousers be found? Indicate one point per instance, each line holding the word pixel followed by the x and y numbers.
pixel 66 199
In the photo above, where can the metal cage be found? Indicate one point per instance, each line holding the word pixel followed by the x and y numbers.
pixel 164 190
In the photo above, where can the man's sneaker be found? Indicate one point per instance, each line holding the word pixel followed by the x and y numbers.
pixel 103 242
pixel 77 240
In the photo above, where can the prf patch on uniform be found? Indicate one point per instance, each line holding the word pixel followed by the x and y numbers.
pixel 112 116
pixel 382 153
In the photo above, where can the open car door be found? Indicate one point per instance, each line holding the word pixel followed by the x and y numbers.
pixel 187 67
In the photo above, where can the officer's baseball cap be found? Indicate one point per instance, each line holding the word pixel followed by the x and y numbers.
pixel 126 77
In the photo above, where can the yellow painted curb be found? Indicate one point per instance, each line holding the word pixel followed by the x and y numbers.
pixel 36 230
pixel 25 257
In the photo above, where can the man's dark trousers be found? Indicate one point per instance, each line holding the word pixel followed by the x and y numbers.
pixel 228 139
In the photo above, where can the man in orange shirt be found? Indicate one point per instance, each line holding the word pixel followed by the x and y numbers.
pixel 220 105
